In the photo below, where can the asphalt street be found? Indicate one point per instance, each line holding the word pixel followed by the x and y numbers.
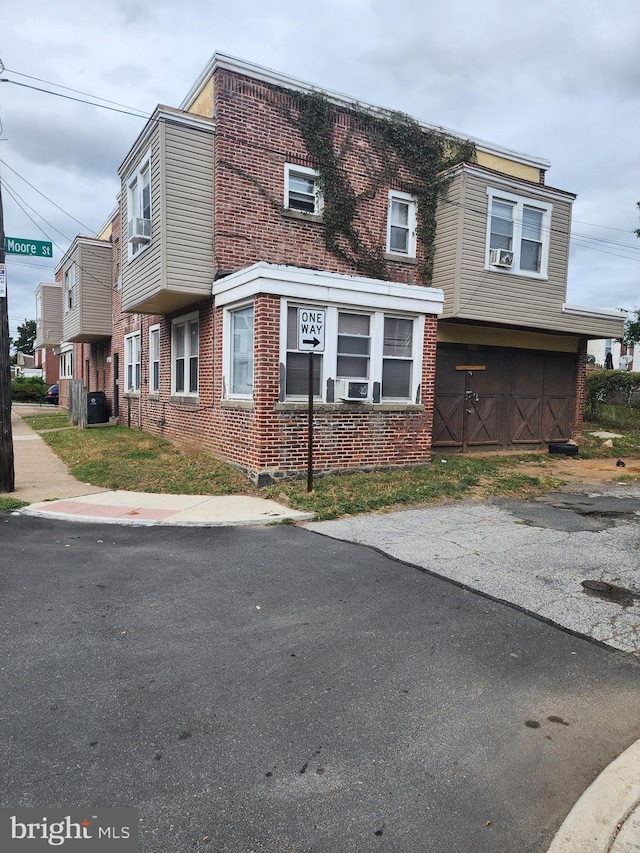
pixel 271 689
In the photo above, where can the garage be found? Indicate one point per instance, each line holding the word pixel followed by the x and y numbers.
pixel 495 397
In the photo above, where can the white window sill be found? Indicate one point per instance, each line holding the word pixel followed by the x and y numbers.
pixel 247 405
pixel 398 258
pixel 187 399
pixel 315 218
pixel 519 273
pixel 295 406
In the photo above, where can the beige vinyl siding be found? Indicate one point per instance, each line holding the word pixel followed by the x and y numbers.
pixel 594 327
pixel 490 336
pixel 188 224
pixel 142 274
pixel 507 297
pixel 94 291
pixel 449 218
pixel 70 318
pixel 49 330
pixel 176 268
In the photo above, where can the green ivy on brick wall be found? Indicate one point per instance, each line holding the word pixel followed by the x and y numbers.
pixel 405 152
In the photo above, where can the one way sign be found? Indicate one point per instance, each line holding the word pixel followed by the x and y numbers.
pixel 311 329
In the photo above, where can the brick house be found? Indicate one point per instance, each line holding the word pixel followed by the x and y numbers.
pixel 259 200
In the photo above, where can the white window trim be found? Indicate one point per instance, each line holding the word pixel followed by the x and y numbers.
pixel 376 355
pixel 152 330
pixel 227 344
pixel 134 178
pixel 311 173
pixel 70 288
pixel 520 202
pixel 134 387
pixel 66 362
pixel 179 321
pixel 396 195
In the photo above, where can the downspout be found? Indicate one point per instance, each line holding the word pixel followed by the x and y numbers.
pixel 140 388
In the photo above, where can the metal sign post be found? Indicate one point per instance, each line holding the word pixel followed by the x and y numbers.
pixel 7 471
pixel 311 339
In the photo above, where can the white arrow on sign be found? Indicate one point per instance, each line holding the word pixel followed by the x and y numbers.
pixel 311 329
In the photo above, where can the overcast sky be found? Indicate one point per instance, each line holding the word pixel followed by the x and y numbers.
pixel 558 79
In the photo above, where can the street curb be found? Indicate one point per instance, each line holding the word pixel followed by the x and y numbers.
pixel 595 821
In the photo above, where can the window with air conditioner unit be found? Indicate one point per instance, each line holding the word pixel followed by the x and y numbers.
pixel 518 234
pixel 352 390
pixel 369 356
pixel 501 258
pixel 139 220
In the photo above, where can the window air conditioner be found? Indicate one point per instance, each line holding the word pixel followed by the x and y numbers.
pixel 140 230
pixel 501 258
pixel 352 390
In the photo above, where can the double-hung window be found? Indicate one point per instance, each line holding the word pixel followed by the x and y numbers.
pixel 69 288
pixel 154 359
pixel 401 224
pixel 66 363
pixel 297 365
pixel 354 346
pixel 518 234
pixel 185 347
pixel 241 355
pixel 302 190
pixel 139 208
pixel 397 360
pixel 132 362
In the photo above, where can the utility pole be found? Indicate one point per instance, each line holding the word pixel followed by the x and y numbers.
pixel 7 473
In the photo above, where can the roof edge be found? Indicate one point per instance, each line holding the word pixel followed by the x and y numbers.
pixel 224 61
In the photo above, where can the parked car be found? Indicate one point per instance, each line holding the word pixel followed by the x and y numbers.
pixel 52 395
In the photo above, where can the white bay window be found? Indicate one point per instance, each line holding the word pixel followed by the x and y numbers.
pixel 374 350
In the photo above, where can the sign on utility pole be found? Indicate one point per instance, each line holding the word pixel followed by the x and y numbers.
pixel 311 339
pixel 7 474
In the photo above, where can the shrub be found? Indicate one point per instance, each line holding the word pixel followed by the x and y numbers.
pixel 617 387
pixel 28 389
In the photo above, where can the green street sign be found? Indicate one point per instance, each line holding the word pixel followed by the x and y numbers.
pixel 34 248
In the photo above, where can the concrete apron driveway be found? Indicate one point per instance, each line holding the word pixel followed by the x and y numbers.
pixel 533 554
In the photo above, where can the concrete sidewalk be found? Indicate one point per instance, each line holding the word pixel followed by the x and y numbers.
pixel 43 480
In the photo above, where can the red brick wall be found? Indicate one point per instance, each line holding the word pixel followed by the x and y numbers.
pixel 581 388
pixel 272 439
pixel 254 140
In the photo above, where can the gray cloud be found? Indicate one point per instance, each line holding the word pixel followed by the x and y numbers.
pixel 556 80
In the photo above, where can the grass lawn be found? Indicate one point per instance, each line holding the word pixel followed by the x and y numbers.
pixel 121 458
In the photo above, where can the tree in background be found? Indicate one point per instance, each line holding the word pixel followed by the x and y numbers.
pixel 26 337
pixel 632 327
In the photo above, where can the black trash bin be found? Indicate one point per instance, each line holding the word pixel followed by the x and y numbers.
pixel 96 407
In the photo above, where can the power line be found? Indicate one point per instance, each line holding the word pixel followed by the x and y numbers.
pixel 48 236
pixel 134 114
pixel 15 195
pixel 86 227
pixel 42 231
pixel 67 88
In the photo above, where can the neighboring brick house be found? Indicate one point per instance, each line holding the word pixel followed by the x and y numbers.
pixel 233 218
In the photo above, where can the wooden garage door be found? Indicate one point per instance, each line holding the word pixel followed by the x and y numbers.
pixel 489 398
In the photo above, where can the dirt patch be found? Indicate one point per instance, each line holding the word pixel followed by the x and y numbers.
pixel 571 469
